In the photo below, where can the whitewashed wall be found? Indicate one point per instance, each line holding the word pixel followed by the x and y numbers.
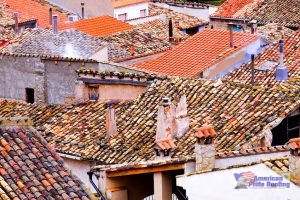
pixel 133 11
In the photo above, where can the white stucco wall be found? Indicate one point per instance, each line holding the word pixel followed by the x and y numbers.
pixel 220 185
pixel 80 168
pixel 101 55
pixel 133 11
pixel 202 13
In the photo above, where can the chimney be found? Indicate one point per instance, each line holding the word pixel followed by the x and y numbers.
pixel 182 120
pixel 205 149
pixel 281 71
pixel 55 31
pixel 252 69
pixel 253 26
pixel 231 34
pixel 111 123
pixel 165 129
pixel 294 160
pixel 131 49
pixel 170 30
pixel 16 15
pixel 50 16
pixel 82 10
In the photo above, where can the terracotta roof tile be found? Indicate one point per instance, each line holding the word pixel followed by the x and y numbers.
pixel 99 26
pixel 40 11
pixel 284 13
pixel 68 43
pixel 24 175
pixel 271 57
pixel 239 114
pixel 198 53
pixel 123 3
pixel 279 165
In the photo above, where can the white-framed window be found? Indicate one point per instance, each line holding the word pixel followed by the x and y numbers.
pixel 122 17
pixel 143 13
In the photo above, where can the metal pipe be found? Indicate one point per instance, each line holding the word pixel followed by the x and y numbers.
pixel 16 22
pixel 82 10
pixel 231 34
pixel 55 24
pixel 90 174
pixel 50 16
pixel 252 69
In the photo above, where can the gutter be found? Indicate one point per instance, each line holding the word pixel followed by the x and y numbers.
pixel 90 174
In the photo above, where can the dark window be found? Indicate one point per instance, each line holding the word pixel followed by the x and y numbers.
pixel 29 95
pixel 93 93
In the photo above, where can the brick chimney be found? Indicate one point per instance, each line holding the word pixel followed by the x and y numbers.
pixel 205 149
pixel 111 123
pixel 294 160
pixel 165 128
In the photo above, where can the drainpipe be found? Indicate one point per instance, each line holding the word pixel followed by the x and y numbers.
pixel 90 174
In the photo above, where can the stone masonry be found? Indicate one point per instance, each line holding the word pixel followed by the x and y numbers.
pixel 205 157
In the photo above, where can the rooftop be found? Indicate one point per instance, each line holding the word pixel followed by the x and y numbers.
pixel 99 26
pixel 40 11
pixel 30 168
pixel 285 13
pixel 272 33
pixel 69 43
pixel 123 3
pixel 197 53
pixel 180 20
pixel 266 64
pixel 239 113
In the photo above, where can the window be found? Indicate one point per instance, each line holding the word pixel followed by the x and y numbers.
pixel 93 93
pixel 122 17
pixel 143 13
pixel 29 95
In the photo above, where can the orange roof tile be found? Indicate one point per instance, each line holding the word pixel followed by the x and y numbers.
pixel 230 7
pixel 205 131
pixel 29 9
pixel 123 3
pixel 198 53
pixel 99 26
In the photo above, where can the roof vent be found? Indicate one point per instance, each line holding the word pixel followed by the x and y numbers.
pixel 166 101
pixel 281 71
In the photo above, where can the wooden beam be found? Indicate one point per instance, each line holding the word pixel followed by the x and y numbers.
pixel 144 170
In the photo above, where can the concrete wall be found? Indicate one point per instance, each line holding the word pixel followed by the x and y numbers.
pixel 53 81
pixel 92 8
pixel 117 91
pixel 136 21
pixel 101 55
pixel 80 168
pixel 223 23
pixel 18 73
pixel 133 11
pixel 200 12
pixel 233 61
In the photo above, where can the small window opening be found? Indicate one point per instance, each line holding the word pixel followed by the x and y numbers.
pixel 29 95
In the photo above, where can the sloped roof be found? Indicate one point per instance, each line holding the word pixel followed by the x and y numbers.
pixel 267 78
pixel 123 3
pixel 143 42
pixel 272 33
pixel 279 165
pixel 69 43
pixel 31 169
pixel 99 26
pixel 184 21
pixel 285 13
pixel 197 53
pixel 32 9
pixel 236 8
pixel 161 29
pixel 239 114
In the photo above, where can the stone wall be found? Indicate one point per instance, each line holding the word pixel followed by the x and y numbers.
pixel 223 23
pixel 205 157
pixel 294 162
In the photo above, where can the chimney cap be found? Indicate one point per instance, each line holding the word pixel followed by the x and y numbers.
pixel 82 4
pixel 166 101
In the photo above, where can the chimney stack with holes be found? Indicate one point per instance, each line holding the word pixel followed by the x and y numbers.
pixel 170 30
pixel 281 71
pixel 16 15
pixel 205 149
pixel 231 34
pixel 165 129
pixel 50 16
pixel 111 122
pixel 294 160
pixel 55 29
pixel 82 10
